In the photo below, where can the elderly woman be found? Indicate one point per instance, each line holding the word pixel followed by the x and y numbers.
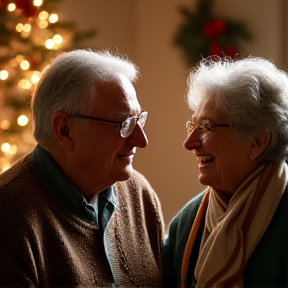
pixel 235 233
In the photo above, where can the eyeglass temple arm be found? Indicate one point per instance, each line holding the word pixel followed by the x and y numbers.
pixel 98 119
pixel 220 125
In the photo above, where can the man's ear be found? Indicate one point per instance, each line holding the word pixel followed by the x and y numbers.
pixel 258 144
pixel 62 130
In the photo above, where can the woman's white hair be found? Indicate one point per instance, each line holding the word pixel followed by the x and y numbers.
pixel 68 85
pixel 252 92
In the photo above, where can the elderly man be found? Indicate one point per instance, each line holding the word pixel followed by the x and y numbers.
pixel 73 212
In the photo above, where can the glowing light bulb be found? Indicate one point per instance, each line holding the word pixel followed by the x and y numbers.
pixel 57 39
pixel 19 27
pixel 5 147
pixel 43 15
pixel 24 65
pixel 4 74
pixel 53 18
pixel 49 44
pixel 11 7
pixel 22 120
pixel 25 84
pixel 35 77
pixel 37 3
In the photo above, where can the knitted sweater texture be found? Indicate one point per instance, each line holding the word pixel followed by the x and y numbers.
pixel 44 245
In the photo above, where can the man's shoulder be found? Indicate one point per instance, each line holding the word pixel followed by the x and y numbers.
pixel 14 172
pixel 140 179
pixel 14 180
pixel 17 193
pixel 137 192
pixel 136 183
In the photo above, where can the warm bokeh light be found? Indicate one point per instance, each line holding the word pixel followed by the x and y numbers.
pixel 57 39
pixel 49 43
pixel 19 27
pixel 6 166
pixel 9 149
pixel 22 120
pixel 4 74
pixel 25 84
pixel 43 24
pixel 5 147
pixel 11 7
pixel 13 62
pixel 19 58
pixel 25 65
pixel 35 77
pixel 29 39
pixel 53 18
pixel 43 15
pixel 5 124
pixel 27 28
pixel 13 149
pixel 37 3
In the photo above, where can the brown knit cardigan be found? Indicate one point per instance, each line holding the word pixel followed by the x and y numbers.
pixel 44 245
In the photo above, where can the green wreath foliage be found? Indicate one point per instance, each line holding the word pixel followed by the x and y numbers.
pixel 202 34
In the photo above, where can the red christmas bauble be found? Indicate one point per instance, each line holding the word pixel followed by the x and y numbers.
pixel 215 49
pixel 230 51
pixel 213 28
pixel 27 7
pixel 219 27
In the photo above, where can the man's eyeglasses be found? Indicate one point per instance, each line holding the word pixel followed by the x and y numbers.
pixel 204 128
pixel 126 127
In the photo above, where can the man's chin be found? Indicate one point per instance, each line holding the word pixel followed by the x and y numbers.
pixel 128 171
pixel 125 173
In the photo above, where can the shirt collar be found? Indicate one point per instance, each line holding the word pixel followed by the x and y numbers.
pixel 64 190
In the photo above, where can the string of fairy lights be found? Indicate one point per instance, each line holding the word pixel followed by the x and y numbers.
pixel 14 145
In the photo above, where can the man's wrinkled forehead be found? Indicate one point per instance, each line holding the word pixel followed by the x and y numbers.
pixel 118 97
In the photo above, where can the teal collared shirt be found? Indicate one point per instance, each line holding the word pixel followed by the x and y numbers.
pixel 105 202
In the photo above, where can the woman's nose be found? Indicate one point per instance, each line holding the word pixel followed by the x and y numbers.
pixel 193 140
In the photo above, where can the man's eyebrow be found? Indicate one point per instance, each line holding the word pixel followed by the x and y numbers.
pixel 125 115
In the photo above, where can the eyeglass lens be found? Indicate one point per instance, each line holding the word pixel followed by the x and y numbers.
pixel 129 124
pixel 204 128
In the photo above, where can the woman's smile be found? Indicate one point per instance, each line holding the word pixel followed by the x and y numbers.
pixel 205 159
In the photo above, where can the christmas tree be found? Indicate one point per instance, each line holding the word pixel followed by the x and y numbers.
pixel 30 36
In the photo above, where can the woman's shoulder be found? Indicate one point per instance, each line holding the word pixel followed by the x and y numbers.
pixel 184 219
pixel 189 209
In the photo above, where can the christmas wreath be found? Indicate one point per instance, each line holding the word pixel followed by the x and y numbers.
pixel 202 34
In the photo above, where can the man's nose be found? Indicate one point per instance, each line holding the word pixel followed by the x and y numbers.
pixel 193 140
pixel 138 137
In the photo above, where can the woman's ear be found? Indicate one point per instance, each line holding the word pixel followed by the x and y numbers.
pixel 258 144
pixel 62 130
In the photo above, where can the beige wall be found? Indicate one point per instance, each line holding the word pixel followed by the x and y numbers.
pixel 143 30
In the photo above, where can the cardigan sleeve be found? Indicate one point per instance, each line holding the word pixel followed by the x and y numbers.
pixel 12 269
pixel 176 240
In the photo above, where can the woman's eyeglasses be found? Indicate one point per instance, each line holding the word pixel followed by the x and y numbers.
pixel 204 127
